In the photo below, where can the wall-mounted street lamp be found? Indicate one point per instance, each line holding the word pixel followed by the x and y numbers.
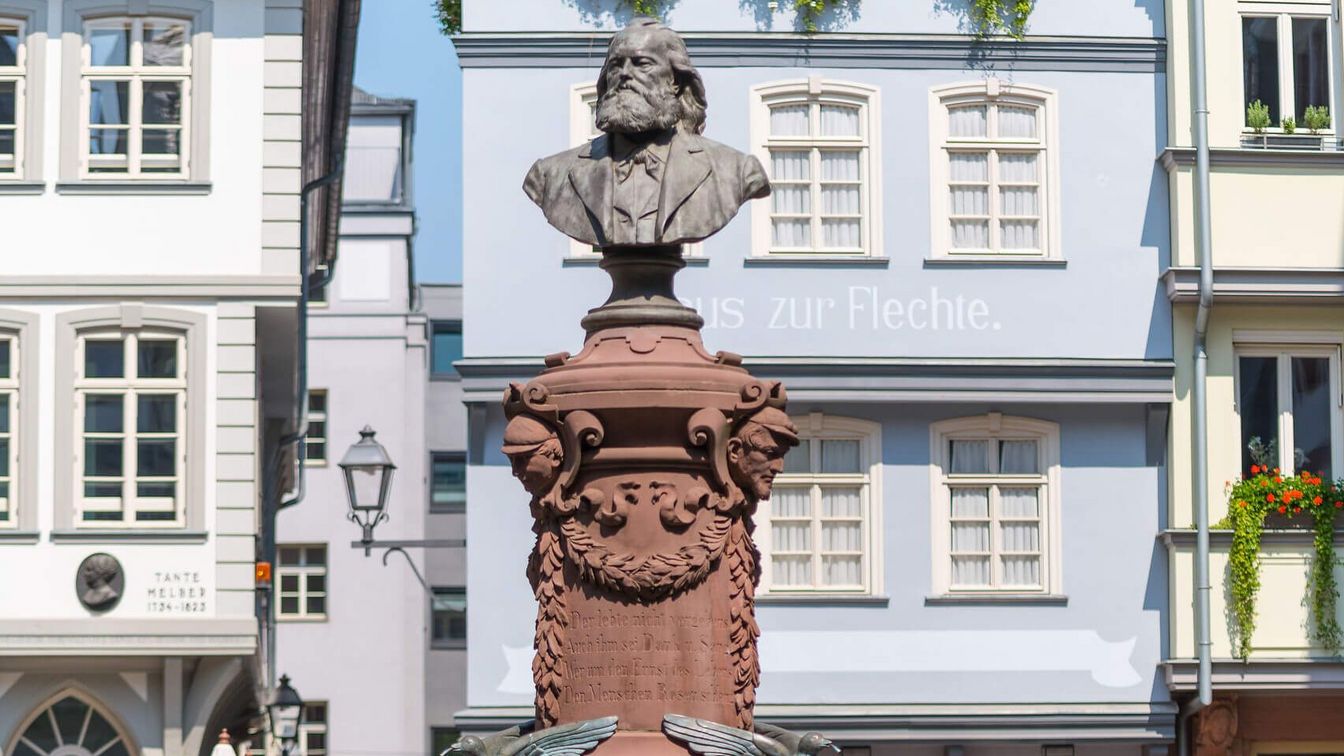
pixel 368 482
pixel 285 709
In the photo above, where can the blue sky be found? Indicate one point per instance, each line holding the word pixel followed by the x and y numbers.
pixel 402 54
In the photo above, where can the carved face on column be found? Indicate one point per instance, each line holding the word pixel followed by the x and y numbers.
pixel 535 452
pixel 756 451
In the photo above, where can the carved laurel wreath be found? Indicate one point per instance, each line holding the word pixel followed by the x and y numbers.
pixel 653 577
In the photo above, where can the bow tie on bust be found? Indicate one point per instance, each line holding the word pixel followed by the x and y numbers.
pixel 653 165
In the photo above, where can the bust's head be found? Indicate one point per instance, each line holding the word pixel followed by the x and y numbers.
pixel 647 84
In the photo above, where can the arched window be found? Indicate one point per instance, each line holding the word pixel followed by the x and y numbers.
pixel 994 171
pixel 996 506
pixel 818 141
pixel 69 725
pixel 822 516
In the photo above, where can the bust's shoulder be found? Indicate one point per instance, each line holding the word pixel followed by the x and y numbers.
pixel 593 148
pixel 716 149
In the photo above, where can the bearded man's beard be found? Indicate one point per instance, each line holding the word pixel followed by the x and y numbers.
pixel 633 110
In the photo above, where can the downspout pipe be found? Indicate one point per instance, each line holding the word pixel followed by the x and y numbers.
pixel 305 294
pixel 1199 393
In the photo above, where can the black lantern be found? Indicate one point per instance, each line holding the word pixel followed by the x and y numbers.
pixel 368 478
pixel 285 709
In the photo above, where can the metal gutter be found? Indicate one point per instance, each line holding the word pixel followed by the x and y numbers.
pixel 1199 393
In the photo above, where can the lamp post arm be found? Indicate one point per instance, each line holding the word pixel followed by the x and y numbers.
pixel 428 591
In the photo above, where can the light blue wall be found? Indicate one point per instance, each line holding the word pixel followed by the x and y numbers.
pixel 1106 302
pixel 1128 18
pixel 1112 504
pixel 1113 200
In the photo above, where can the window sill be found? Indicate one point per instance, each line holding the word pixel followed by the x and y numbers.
pixel 456 377
pixel 448 645
pixel 94 187
pixel 18 536
pixel 809 261
pixel 994 261
pixel 591 261
pixel 451 509
pixel 310 462
pixel 129 536
pixel 22 187
pixel 990 599
pixel 322 618
pixel 821 599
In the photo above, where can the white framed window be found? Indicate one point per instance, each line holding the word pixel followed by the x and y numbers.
pixel 9 401
pixel 71 724
pixel 995 506
pixel 313 729
pixel 994 170
pixel 135 94
pixel 316 439
pixel 818 139
pixel 824 511
pixel 1287 59
pixel 582 129
pixel 130 401
pixel 13 87
pixel 302 581
pixel 1288 400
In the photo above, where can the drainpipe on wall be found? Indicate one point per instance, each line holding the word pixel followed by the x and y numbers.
pixel 301 392
pixel 1199 394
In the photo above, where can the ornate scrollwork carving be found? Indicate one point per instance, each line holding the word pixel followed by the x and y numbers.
pixel 757 394
pixel 580 428
pixel 709 428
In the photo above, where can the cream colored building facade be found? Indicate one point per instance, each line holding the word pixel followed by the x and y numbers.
pixel 1277 218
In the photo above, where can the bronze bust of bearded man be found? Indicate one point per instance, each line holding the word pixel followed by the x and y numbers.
pixel 650 178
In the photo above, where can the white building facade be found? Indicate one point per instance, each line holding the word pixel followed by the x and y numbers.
pixel 150 180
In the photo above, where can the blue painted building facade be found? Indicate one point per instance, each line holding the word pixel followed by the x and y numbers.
pixel 957 280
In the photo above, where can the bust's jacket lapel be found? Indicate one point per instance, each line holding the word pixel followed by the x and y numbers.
pixel 687 169
pixel 591 178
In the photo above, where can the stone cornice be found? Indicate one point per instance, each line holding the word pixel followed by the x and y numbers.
pixel 1259 674
pixel 1233 157
pixel 112 637
pixel 1220 538
pixel 883 379
pixel 1257 285
pixel 176 287
pixel 909 51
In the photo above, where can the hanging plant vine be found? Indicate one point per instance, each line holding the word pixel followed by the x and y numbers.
pixel 990 17
pixel 450 15
pixel 1250 501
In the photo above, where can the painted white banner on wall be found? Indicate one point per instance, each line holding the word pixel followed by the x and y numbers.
pixel 919 651
pixel 952 651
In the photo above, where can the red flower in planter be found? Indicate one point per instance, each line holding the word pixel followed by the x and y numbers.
pixel 1269 497
pixel 1263 482
pixel 1255 469
pixel 1277 478
pixel 1283 510
pixel 1317 500
pixel 1241 504
pixel 1297 510
pixel 1339 505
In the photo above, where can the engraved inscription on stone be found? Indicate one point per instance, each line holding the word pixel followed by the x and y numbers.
pixel 657 653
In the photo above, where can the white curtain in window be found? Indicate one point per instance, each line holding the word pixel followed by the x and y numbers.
pixel 840 456
pixel 792 570
pixel 968 121
pixel 1024 571
pixel 970 571
pixel 788 501
pixel 839 501
pixel 1017 167
pixel 1019 502
pixel 841 536
pixel 789 120
pixel 1018 458
pixel 969 456
pixel 839 121
pixel 841 570
pixel 1018 200
pixel 1019 235
pixel 799 458
pixel 840 233
pixel 1017 123
pixel 790 165
pixel 839 165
